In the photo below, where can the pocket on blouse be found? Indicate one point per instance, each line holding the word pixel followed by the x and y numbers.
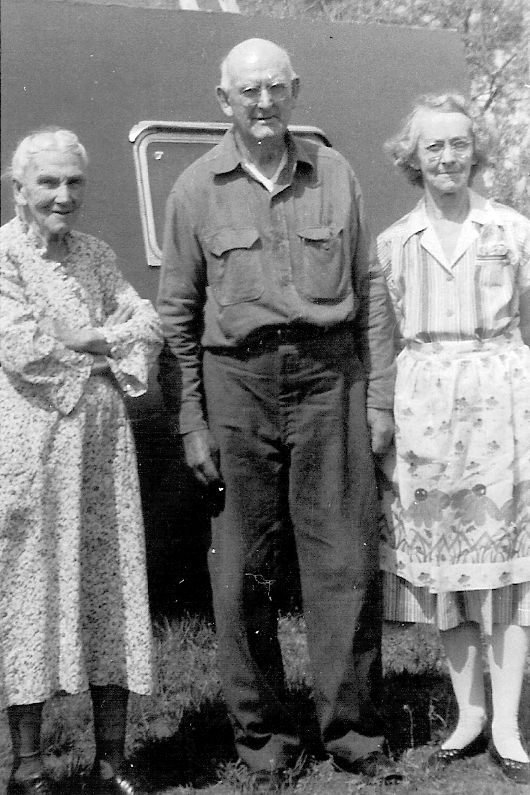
pixel 234 265
pixel 493 269
pixel 324 278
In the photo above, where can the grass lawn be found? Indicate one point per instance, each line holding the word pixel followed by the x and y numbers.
pixel 182 743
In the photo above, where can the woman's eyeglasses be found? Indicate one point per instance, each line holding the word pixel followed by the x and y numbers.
pixel 460 147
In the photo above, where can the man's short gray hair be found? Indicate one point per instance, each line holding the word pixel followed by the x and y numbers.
pixel 47 138
pixel 226 82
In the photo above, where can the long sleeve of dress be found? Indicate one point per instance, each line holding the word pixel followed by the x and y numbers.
pixel 28 353
pixel 134 344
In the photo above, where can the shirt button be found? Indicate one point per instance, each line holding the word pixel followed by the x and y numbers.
pixel 450 313
pixel 450 277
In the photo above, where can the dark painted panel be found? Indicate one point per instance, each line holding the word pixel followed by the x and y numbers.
pixel 101 69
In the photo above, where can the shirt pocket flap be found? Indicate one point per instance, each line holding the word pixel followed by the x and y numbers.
pixel 228 239
pixel 318 233
pixel 324 275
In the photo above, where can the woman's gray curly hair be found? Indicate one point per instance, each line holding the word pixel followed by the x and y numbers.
pixel 47 138
pixel 402 147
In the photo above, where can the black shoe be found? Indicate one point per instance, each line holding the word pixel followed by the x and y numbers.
pixel 515 771
pixel 36 785
pixel 377 765
pixel 446 756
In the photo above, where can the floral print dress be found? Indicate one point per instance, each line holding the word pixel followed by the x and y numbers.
pixel 456 488
pixel 73 591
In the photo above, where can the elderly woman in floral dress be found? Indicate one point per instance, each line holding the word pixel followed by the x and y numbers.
pixel 457 490
pixel 74 339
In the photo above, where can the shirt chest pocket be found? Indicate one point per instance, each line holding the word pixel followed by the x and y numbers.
pixel 494 270
pixel 234 265
pixel 324 277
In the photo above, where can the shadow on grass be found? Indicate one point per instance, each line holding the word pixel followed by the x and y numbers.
pixel 203 745
pixel 193 755
pixel 196 755
pixel 190 757
pixel 419 710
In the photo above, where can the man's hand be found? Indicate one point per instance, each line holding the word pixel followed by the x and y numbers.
pixel 381 425
pixel 202 456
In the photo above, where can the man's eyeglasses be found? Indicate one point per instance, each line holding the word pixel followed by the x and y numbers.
pixel 276 91
pixel 460 147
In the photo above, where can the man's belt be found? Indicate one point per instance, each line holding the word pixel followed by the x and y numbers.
pixel 271 337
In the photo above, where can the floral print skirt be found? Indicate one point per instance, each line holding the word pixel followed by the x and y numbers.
pixel 456 487
pixel 73 586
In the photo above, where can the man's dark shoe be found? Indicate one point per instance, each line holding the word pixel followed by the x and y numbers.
pixel 512 769
pixel 446 756
pixel 36 785
pixel 377 765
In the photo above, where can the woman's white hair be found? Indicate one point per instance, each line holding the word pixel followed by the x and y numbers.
pixel 47 138
pixel 402 147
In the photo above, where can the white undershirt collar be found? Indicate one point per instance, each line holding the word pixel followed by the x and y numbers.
pixel 267 182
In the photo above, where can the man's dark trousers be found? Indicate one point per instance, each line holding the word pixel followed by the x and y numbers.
pixel 290 420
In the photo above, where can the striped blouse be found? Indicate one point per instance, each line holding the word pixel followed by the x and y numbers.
pixel 475 294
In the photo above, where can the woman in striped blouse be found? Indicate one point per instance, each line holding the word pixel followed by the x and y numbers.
pixel 456 490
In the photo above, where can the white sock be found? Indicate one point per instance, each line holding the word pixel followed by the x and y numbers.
pixel 471 721
pixel 507 659
pixel 463 649
pixel 507 741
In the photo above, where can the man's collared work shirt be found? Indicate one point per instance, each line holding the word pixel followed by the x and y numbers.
pixel 239 259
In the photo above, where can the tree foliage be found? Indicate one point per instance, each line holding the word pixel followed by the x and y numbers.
pixel 495 34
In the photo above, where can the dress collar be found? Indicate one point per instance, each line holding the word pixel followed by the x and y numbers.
pixel 34 240
pixel 480 212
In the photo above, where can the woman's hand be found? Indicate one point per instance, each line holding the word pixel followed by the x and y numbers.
pixel 100 366
pixel 121 315
pixel 86 340
pixel 91 339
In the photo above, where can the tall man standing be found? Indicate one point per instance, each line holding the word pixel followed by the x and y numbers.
pixel 278 330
